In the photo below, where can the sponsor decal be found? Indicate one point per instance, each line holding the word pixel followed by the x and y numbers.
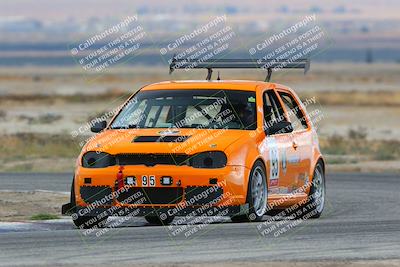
pixel 273 182
pixel 251 99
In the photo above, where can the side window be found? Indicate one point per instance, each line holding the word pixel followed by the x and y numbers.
pixel 295 113
pixel 273 111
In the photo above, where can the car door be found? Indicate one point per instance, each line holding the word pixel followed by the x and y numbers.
pixel 278 146
pixel 300 159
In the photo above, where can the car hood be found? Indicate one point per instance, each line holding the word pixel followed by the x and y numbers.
pixel 186 141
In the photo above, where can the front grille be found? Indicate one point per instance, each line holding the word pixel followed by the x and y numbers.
pixel 152 159
pixel 151 195
pixel 99 195
pixel 201 195
pixel 161 139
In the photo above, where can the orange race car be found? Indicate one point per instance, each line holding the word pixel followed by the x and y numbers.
pixel 195 148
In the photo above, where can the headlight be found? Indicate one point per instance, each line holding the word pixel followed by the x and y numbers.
pixel 97 160
pixel 211 160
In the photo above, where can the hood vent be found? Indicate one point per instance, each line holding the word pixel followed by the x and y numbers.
pixel 160 139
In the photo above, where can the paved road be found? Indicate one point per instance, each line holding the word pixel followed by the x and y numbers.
pixel 36 181
pixel 361 221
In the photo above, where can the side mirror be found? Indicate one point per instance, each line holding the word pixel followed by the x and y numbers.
pixel 279 128
pixel 98 126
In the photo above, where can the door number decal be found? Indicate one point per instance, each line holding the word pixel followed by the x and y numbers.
pixel 273 160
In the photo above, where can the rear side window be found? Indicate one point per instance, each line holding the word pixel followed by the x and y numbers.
pixel 296 115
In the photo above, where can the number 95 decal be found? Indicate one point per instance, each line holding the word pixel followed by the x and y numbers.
pixel 148 180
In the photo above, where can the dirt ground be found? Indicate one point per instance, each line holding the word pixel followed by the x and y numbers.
pixel 21 206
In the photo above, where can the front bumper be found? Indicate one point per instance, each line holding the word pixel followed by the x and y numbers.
pixel 231 181
pixel 227 197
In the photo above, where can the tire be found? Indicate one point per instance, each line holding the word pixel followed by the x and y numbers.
pixel 72 197
pixel 316 198
pixel 257 195
pixel 154 219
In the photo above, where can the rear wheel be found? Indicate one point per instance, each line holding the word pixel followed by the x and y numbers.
pixel 316 198
pixel 257 195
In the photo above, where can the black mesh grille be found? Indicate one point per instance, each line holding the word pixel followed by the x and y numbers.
pixel 162 139
pixel 200 195
pixel 99 195
pixel 151 195
pixel 152 159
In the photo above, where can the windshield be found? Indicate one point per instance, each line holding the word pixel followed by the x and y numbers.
pixel 209 109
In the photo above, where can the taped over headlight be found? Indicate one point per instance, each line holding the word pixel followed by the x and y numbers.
pixel 210 160
pixel 97 160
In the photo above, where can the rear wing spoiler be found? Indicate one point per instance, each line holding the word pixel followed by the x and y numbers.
pixel 268 65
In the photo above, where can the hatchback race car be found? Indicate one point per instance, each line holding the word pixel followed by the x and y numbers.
pixel 202 148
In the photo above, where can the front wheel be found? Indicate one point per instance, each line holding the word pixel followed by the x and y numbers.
pixel 257 195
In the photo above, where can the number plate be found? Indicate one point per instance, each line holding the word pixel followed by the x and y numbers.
pixel 148 180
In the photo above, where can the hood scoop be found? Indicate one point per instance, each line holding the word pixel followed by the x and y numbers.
pixel 160 139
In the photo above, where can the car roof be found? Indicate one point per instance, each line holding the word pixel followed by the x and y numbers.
pixel 213 84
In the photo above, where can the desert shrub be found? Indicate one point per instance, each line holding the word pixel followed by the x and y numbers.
pixel 387 150
pixel 335 145
pixel 47 118
pixel 358 145
pixel 358 134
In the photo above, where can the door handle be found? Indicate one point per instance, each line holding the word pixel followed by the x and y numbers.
pixel 294 145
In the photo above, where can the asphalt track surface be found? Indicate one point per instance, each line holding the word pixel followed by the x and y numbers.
pixel 361 221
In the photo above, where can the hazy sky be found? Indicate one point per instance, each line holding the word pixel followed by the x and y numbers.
pixel 83 9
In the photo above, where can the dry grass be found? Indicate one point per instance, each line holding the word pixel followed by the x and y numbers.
pixel 75 98
pixel 30 152
pixel 29 145
pixel 355 98
pixel 356 144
